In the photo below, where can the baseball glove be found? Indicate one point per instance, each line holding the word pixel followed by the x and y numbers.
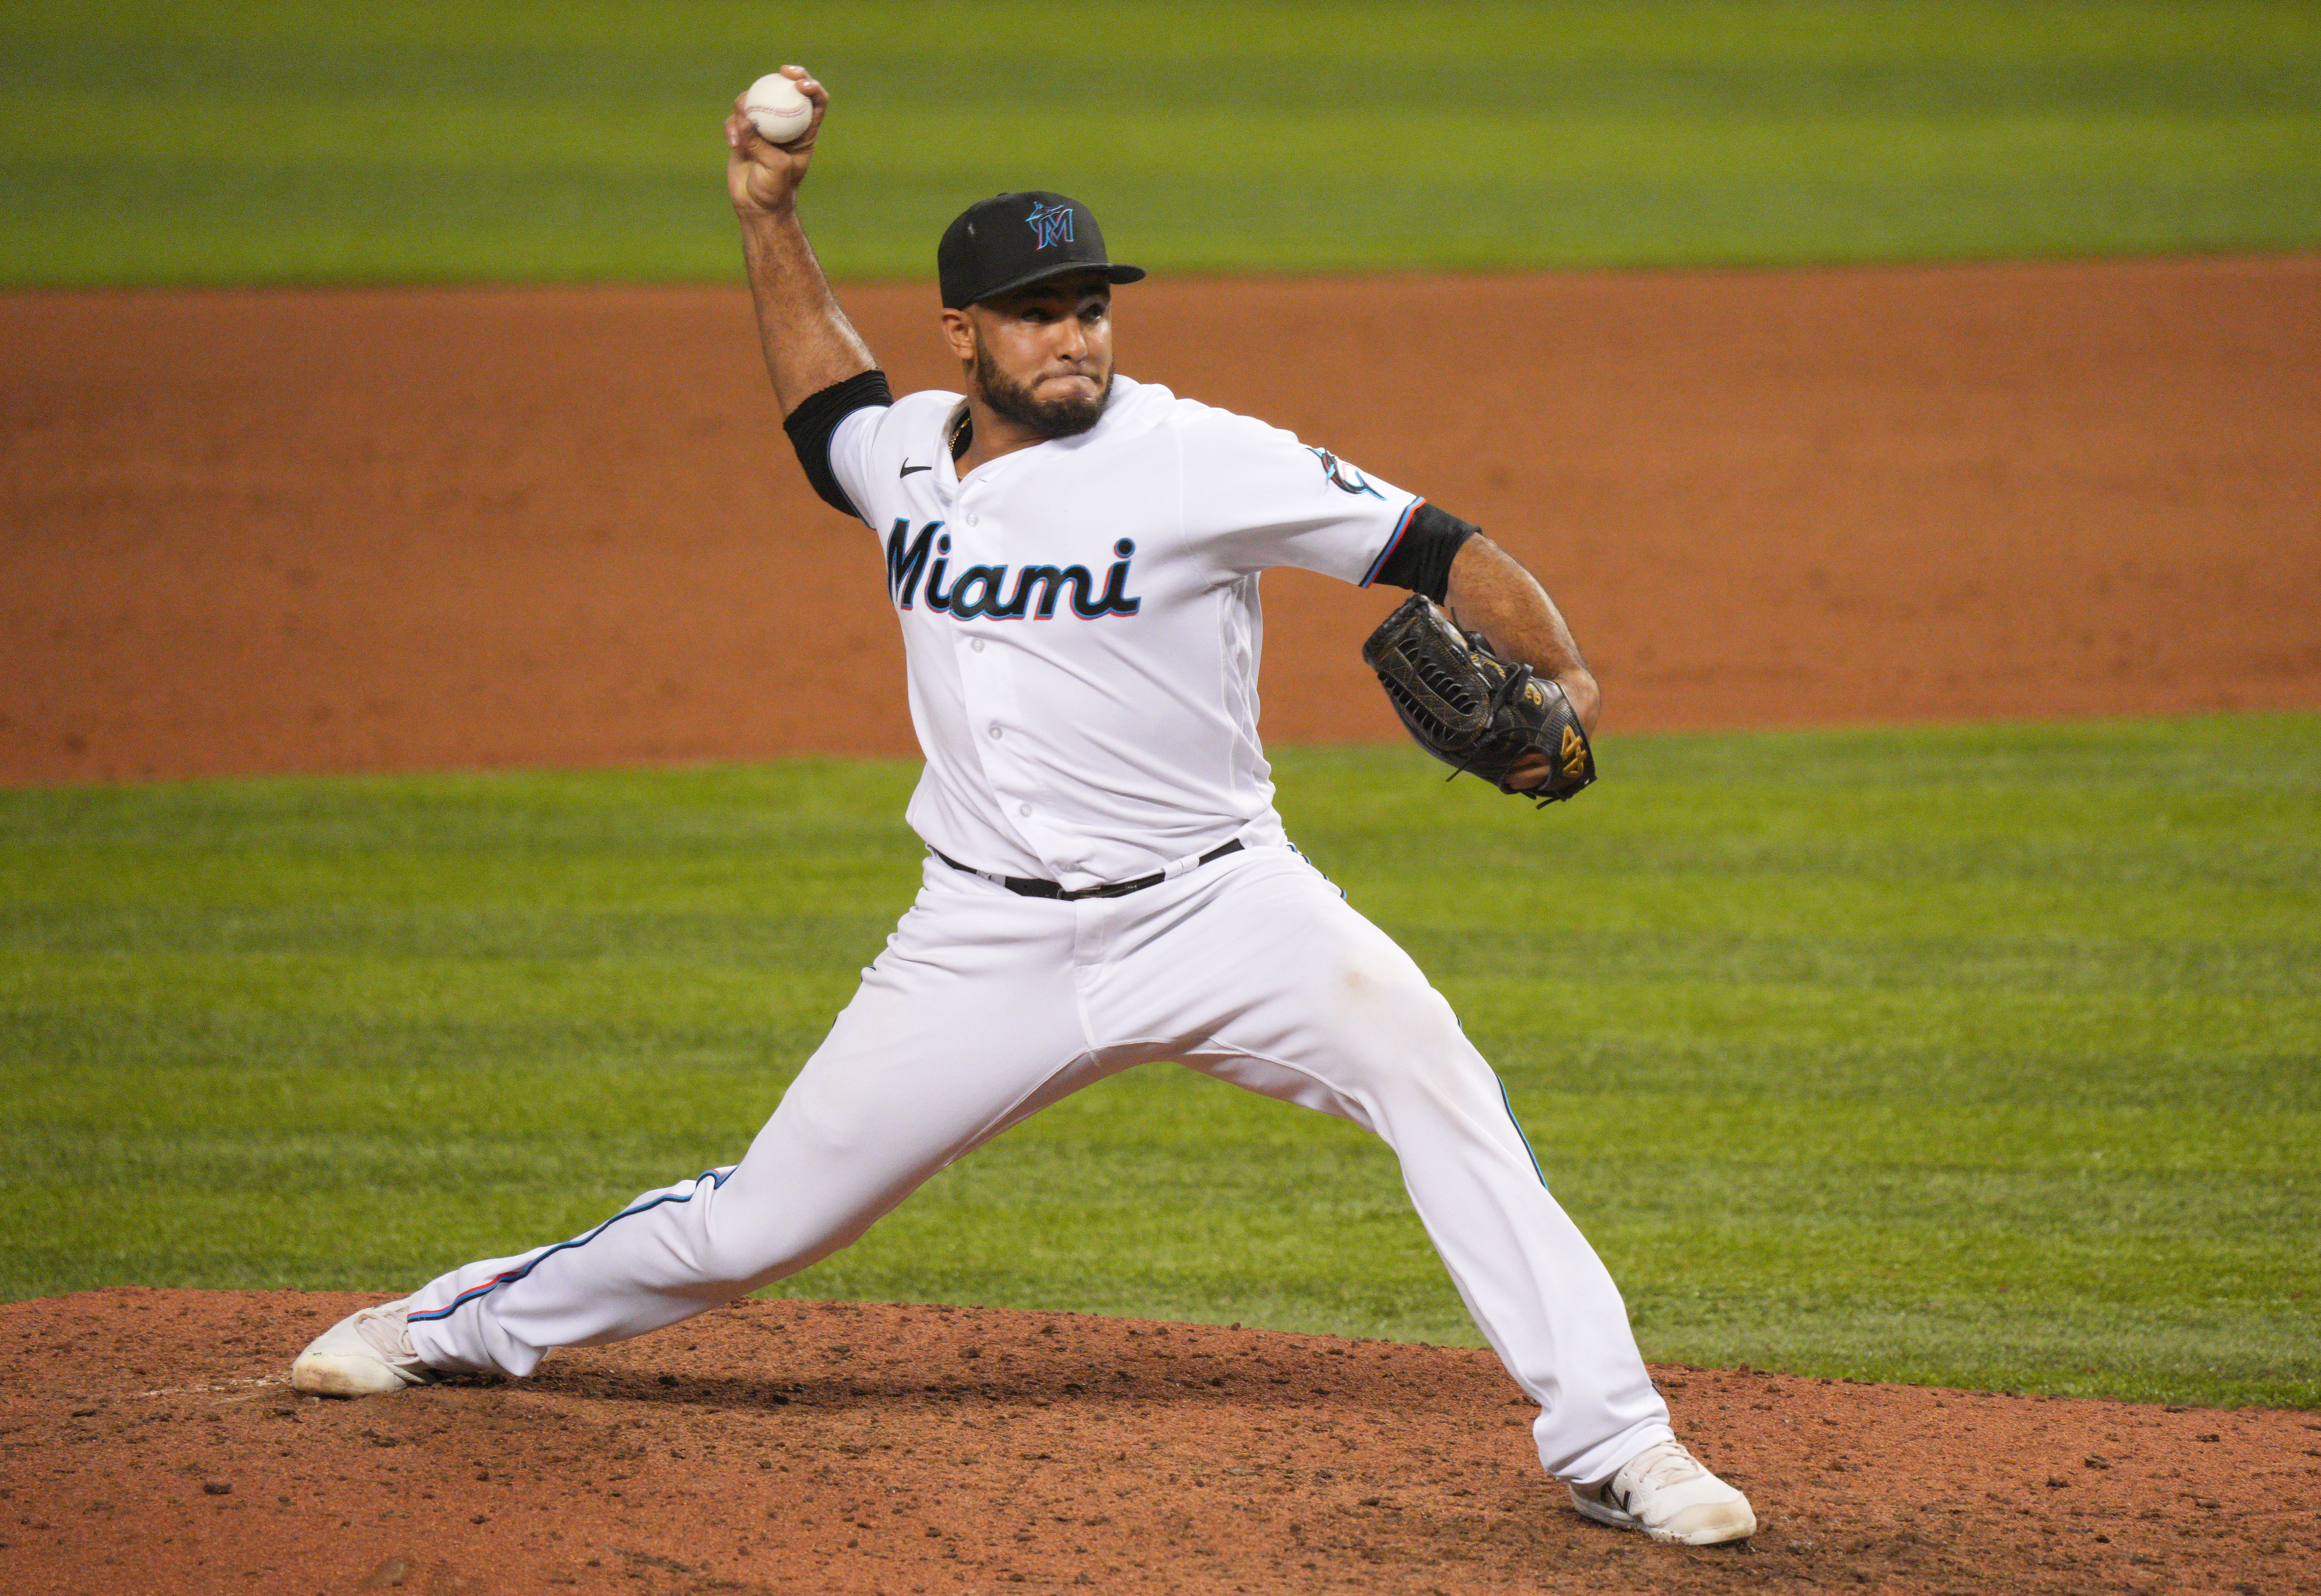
pixel 1473 710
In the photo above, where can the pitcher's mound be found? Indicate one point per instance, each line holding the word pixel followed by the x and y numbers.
pixel 153 1445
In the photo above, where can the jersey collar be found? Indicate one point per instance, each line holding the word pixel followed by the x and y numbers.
pixel 947 477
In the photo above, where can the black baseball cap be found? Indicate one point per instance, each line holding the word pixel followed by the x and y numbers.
pixel 1012 240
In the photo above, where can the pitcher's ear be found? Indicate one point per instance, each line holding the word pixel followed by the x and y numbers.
pixel 959 332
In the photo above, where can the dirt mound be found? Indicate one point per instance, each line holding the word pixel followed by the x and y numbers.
pixel 397 530
pixel 151 1445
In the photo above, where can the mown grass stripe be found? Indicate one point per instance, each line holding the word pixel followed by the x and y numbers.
pixel 1980 1055
pixel 404 141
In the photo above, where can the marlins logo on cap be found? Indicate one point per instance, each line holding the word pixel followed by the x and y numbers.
pixel 1011 240
pixel 1052 224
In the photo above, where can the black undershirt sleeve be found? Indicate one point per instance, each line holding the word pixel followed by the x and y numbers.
pixel 818 416
pixel 1421 560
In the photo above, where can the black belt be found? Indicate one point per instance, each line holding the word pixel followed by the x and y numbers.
pixel 1028 887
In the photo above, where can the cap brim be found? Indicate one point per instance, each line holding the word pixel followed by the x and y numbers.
pixel 1113 274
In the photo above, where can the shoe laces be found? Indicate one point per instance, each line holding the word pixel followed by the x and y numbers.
pixel 1666 1464
pixel 388 1333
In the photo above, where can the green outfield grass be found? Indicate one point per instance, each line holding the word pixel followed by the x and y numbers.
pixel 1980 1056
pixel 238 142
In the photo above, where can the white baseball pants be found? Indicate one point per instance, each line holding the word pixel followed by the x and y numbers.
pixel 986 1007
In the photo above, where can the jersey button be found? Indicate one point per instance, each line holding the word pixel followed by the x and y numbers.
pixel 977 645
pixel 1023 808
pixel 995 731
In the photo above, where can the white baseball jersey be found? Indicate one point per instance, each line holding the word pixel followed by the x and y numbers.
pixel 1082 626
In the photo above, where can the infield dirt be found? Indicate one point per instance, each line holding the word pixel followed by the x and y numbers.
pixel 815 1446
pixel 264 532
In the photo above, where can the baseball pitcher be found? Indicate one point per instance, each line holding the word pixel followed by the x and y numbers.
pixel 1073 557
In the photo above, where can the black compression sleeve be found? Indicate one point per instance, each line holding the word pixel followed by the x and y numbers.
pixel 818 416
pixel 1421 558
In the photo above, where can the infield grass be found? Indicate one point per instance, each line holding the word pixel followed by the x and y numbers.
pixel 1973 1055
pixel 409 140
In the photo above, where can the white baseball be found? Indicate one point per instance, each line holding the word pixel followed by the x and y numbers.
pixel 778 108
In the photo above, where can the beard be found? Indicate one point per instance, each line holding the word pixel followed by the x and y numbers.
pixel 1066 417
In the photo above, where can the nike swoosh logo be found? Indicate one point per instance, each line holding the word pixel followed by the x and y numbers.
pixel 907 470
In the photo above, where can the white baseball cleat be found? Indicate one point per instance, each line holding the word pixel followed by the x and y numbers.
pixel 365 1353
pixel 1665 1492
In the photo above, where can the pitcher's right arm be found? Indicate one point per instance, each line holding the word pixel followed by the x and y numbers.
pixel 809 344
